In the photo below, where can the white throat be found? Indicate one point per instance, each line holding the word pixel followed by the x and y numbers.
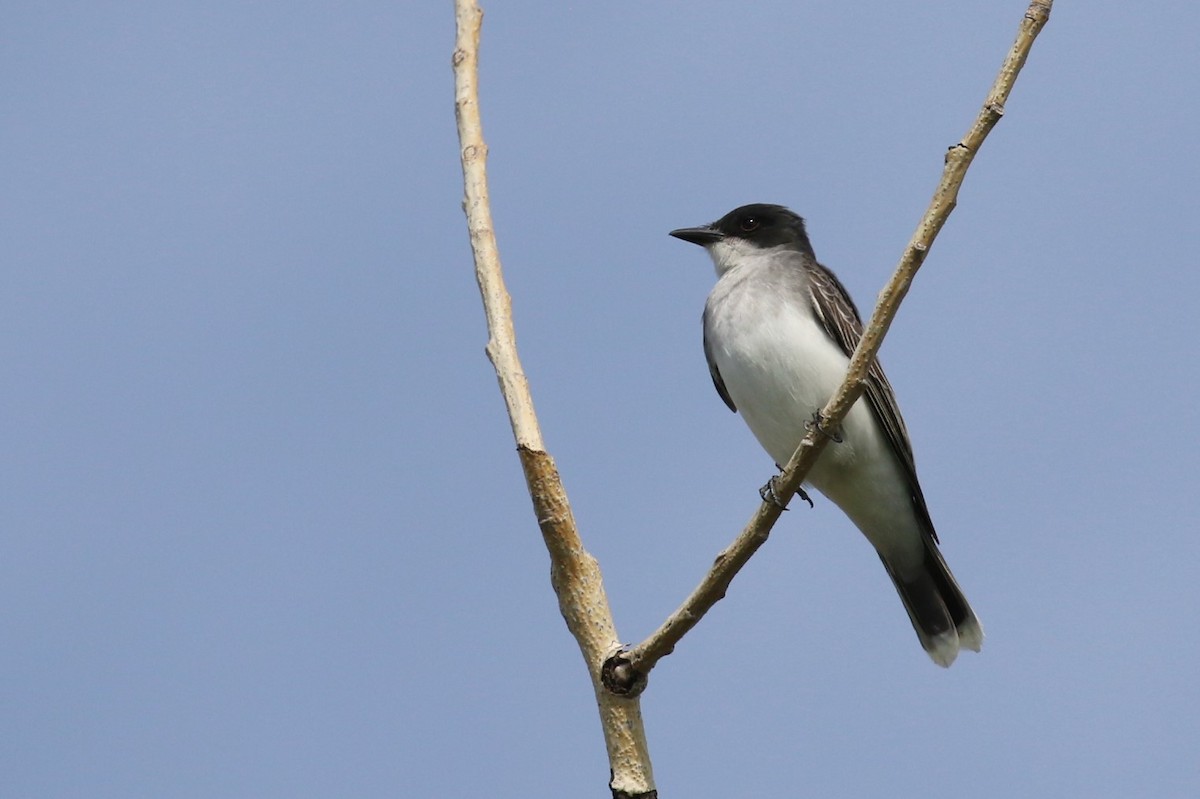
pixel 734 252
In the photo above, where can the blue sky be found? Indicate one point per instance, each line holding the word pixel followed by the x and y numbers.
pixel 264 531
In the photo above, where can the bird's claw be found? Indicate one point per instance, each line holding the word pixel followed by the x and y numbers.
pixel 768 494
pixel 818 423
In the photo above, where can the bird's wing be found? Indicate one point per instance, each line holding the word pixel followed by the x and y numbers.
pixel 837 314
pixel 712 368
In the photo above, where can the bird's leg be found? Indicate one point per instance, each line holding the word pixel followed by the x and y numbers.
pixel 818 424
pixel 769 494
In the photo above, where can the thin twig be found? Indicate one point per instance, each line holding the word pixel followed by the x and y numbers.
pixel 574 573
pixel 642 658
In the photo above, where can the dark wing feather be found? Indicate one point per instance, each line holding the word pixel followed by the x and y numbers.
pixel 712 368
pixel 837 314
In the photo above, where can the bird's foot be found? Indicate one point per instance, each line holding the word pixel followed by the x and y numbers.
pixel 818 423
pixel 768 494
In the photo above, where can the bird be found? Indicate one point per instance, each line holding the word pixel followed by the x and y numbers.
pixel 779 330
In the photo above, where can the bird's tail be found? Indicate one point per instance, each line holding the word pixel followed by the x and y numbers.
pixel 937 608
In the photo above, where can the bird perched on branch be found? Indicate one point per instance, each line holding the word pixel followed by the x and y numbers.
pixel 779 330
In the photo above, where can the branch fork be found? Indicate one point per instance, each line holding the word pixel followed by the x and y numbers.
pixel 619 674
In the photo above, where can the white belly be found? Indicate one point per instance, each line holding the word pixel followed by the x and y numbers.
pixel 780 368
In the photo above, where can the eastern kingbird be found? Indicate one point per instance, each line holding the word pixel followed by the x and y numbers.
pixel 779 329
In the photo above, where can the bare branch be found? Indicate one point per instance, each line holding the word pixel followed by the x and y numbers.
pixel 497 305
pixel 642 658
pixel 574 573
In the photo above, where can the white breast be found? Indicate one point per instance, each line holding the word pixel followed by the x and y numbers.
pixel 780 367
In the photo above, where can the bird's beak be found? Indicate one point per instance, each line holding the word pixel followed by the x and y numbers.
pixel 703 236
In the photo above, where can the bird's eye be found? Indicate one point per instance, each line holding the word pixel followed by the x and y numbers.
pixel 748 224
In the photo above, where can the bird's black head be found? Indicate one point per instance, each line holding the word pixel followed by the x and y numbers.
pixel 761 225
